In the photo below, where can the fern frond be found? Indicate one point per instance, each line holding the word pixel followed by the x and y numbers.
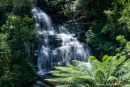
pixel 99 76
pixel 67 85
pixel 126 76
pixel 75 68
pixel 109 66
pixel 112 79
pixel 63 69
pixel 118 64
pixel 82 67
pixel 92 58
pixel 120 60
pixel 68 80
pixel 95 65
pixel 85 79
pixel 105 57
pixel 126 85
pixel 125 68
pixel 67 71
pixel 72 66
pixel 111 71
pixel 70 74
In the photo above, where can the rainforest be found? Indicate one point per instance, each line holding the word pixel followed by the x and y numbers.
pixel 64 43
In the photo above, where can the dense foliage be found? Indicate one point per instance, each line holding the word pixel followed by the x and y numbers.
pixel 18 7
pixel 105 19
pixel 112 71
pixel 16 33
pixel 106 26
pixel 116 24
pixel 21 75
pixel 5 55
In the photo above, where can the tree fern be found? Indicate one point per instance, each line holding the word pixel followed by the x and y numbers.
pixel 112 71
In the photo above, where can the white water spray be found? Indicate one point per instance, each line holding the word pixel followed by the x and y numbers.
pixel 60 47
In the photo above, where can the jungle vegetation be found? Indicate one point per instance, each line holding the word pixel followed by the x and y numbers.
pixel 106 28
pixel 112 71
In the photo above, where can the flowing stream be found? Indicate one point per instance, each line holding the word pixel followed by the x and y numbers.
pixel 60 46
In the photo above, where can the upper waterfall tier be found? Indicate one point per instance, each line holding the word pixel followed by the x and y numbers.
pixel 41 18
pixel 61 46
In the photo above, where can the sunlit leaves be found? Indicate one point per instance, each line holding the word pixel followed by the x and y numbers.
pixel 5 55
pixel 109 72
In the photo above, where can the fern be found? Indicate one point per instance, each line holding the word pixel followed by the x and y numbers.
pixel 124 71
pixel 99 76
pixel 112 79
pixel 69 85
pixel 112 71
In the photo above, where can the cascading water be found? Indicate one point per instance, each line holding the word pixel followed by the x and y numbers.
pixel 60 47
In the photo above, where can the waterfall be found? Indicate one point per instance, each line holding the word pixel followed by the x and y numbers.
pixel 60 47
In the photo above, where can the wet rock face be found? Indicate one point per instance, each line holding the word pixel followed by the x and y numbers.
pixel 40 84
pixel 54 41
